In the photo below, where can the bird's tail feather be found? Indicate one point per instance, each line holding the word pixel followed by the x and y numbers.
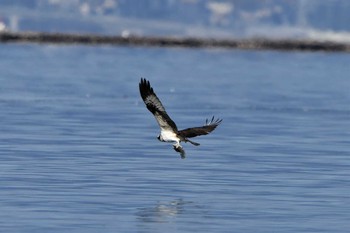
pixel 192 142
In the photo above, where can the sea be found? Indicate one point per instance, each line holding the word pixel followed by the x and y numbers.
pixel 79 149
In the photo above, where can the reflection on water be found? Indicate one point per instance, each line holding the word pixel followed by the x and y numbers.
pixel 162 212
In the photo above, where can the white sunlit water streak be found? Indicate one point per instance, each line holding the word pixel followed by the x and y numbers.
pixel 79 151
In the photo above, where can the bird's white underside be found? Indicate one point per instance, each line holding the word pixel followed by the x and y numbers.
pixel 169 136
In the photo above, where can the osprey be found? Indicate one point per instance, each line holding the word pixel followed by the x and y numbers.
pixel 168 128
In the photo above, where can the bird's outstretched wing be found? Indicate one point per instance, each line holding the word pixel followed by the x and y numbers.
pixel 209 126
pixel 154 105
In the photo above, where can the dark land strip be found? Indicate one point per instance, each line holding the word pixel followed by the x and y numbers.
pixel 163 41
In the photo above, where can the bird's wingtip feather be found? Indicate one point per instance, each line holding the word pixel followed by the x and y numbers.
pixel 212 121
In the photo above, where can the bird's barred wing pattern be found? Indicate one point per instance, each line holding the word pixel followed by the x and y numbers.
pixel 156 107
pixel 209 126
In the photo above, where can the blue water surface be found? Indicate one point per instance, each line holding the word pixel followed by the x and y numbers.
pixel 79 151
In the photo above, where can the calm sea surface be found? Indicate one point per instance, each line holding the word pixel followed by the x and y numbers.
pixel 78 149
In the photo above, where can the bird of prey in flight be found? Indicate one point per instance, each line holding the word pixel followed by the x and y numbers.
pixel 168 128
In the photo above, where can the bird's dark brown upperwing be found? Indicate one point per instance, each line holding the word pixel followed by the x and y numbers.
pixel 203 130
pixel 155 106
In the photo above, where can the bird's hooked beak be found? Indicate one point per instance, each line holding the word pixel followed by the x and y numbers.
pixel 159 138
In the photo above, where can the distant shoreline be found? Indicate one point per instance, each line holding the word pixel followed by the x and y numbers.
pixel 164 41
